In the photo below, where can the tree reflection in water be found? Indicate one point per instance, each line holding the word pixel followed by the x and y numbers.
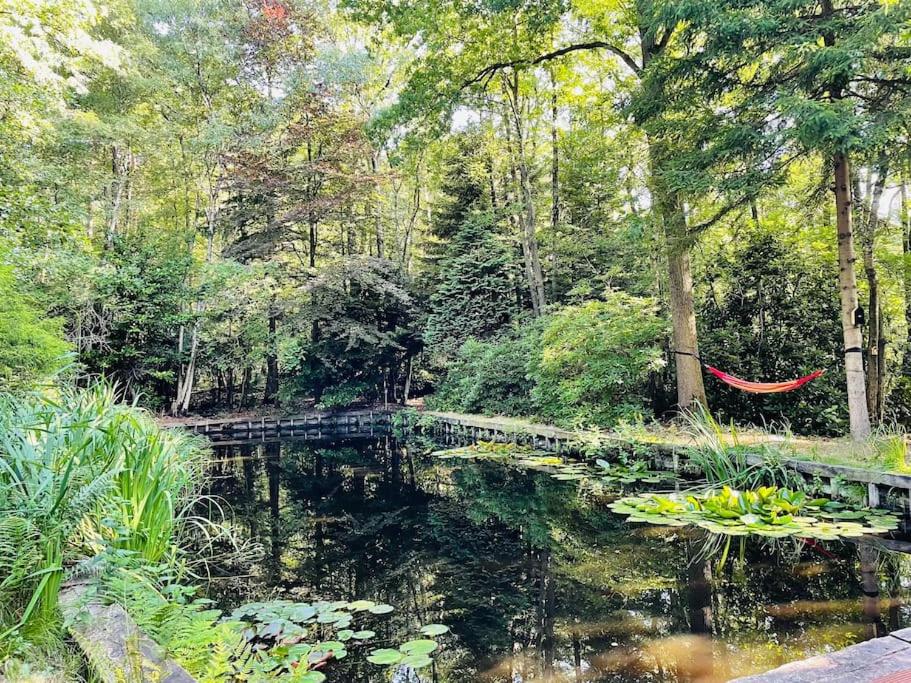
pixel 537 581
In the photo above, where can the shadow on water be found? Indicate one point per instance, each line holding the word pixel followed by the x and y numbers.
pixel 537 581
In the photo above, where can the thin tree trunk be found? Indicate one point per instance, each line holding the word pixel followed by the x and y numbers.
pixel 271 390
pixel 906 274
pixel 554 182
pixel 847 281
pixel 875 340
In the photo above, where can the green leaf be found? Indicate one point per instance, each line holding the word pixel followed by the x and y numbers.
pixel 434 629
pixel 385 656
pixel 419 647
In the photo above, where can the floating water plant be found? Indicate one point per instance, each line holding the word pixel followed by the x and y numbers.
pixel 304 637
pixel 413 653
pixel 765 511
pixel 612 475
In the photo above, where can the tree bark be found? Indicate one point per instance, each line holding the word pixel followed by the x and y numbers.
pixel 271 390
pixel 847 281
pixel 875 340
pixel 906 274
pixel 534 274
pixel 677 240
pixel 690 384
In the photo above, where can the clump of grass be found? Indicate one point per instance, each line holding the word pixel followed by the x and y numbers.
pixel 719 454
pixel 890 448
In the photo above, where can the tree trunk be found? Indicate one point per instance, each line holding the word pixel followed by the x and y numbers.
pixel 906 274
pixel 847 281
pixel 875 339
pixel 271 390
pixel 527 220
pixel 669 206
pixel 554 183
pixel 690 385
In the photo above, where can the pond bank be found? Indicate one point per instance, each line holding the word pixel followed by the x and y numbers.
pixel 881 487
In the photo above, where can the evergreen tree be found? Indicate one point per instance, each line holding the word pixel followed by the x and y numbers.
pixel 472 294
pixel 809 77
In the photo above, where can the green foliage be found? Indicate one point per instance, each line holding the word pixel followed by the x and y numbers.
pixel 755 322
pixel 720 457
pixel 767 511
pixel 470 272
pixel 31 345
pixel 262 641
pixel 356 330
pixel 80 474
pixel 141 292
pixel 603 475
pixel 491 377
pixel 595 359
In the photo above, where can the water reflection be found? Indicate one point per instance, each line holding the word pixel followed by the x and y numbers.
pixel 537 581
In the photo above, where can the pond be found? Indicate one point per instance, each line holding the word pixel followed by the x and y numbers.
pixel 537 580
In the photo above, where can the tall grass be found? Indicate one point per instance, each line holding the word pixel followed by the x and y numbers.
pixel 718 452
pixel 81 474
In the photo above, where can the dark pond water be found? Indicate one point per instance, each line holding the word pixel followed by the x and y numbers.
pixel 537 581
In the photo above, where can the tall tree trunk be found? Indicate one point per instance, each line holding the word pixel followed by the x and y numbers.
pixel 875 338
pixel 690 384
pixel 906 273
pixel 534 274
pixel 847 281
pixel 554 183
pixel 677 240
pixel 271 390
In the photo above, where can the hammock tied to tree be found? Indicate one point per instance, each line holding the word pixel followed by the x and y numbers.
pixel 757 387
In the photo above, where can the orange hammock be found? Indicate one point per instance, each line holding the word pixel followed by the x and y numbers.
pixel 763 387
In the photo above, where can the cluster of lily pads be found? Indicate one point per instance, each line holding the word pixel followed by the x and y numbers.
pixel 413 653
pixel 302 637
pixel 608 474
pixel 766 511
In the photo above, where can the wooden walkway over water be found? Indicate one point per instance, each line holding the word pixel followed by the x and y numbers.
pixel 316 424
pixel 881 487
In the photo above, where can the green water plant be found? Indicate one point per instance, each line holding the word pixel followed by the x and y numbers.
pixel 81 474
pixel 719 454
pixel 767 511
pixel 607 474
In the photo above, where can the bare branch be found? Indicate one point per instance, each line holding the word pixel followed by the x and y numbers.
pixel 488 72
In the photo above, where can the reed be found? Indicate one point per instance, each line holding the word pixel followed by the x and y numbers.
pixel 81 474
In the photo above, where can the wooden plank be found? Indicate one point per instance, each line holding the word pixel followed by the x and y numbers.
pixel 513 427
pixel 114 647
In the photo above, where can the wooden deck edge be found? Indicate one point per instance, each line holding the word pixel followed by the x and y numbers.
pixel 116 649
pixel 865 662
pixel 545 436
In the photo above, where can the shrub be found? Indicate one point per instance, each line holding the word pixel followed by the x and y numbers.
pixel 80 473
pixel 595 358
pixel 491 377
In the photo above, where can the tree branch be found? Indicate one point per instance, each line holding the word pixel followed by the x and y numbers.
pixel 488 72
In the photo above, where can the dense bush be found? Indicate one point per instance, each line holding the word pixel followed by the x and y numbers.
pixel 595 359
pixel 491 377
pixel 585 364
pixel 31 345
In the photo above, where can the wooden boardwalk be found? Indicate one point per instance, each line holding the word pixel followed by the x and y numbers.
pixel 882 660
pixel 316 424
pixel 882 488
